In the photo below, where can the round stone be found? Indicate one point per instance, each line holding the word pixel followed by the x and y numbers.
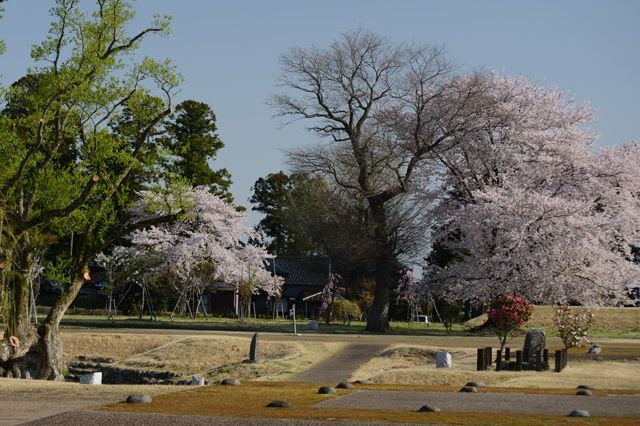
pixel 362 382
pixel 230 382
pixel 429 409
pixel 469 389
pixel 476 384
pixel 133 399
pixel 326 390
pixel 579 413
pixel 584 392
pixel 344 385
pixel 588 387
pixel 278 404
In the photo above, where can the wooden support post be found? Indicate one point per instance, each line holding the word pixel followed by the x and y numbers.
pixel 558 361
pixel 545 359
pixel 481 363
pixel 566 358
pixel 489 356
pixel 507 354
pixel 518 360
pixel 498 360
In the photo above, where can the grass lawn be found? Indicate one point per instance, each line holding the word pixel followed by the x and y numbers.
pixel 250 400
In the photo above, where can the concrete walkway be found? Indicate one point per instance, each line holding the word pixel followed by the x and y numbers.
pixel 342 365
pixel 95 418
pixel 617 405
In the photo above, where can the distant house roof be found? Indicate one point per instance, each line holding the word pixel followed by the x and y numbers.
pixel 303 275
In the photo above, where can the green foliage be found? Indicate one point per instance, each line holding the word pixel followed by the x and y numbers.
pixel 345 310
pixel 450 314
pixel 573 326
pixel 80 138
pixel 193 143
pixel 274 196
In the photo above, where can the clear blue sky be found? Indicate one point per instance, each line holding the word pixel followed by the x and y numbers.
pixel 228 52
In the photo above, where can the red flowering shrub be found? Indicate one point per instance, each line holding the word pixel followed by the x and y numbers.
pixel 507 314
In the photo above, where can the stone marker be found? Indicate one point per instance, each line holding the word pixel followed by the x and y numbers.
pixel 327 390
pixel 197 381
pixel 579 413
pixel 469 389
pixel 91 379
pixel 476 384
pixel 278 404
pixel 313 325
pixel 254 350
pixel 535 340
pixel 230 382
pixel 584 392
pixel 443 359
pixel 133 399
pixel 595 350
pixel 429 409
pixel 362 382
pixel 344 385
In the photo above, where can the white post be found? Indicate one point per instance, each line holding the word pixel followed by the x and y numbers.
pixel 293 309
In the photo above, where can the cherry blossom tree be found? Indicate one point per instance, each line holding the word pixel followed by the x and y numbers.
pixel 205 246
pixel 332 290
pixel 411 291
pixel 529 209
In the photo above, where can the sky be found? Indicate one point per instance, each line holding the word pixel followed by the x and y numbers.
pixel 228 53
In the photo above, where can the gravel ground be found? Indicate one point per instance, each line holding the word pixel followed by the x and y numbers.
pixel 95 418
pixel 489 402
pixel 340 366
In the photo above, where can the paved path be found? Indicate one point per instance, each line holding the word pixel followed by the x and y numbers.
pixel 489 402
pixel 340 366
pixel 14 411
pixel 95 418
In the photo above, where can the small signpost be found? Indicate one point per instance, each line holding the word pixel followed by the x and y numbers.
pixel 292 312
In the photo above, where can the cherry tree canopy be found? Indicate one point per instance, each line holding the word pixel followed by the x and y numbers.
pixel 208 237
pixel 529 209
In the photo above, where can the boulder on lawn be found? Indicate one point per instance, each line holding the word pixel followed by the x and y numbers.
pixel 471 389
pixel 579 413
pixel 136 399
pixel 429 409
pixel 344 385
pixel 584 392
pixel 230 382
pixel 476 384
pixel 197 381
pixel 327 390
pixel 278 404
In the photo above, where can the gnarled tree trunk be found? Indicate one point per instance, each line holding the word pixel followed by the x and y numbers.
pixel 33 350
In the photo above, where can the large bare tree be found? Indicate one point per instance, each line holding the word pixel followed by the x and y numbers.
pixel 384 109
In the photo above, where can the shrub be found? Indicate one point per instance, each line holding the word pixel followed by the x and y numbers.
pixel 573 326
pixel 346 311
pixel 507 314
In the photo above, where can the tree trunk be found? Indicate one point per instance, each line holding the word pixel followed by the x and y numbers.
pixel 38 351
pixel 378 317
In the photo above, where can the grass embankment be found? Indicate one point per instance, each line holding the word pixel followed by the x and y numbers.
pixel 214 357
pixel 250 400
pixel 607 322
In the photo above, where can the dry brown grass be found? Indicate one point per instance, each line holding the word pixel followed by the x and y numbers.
pixel 403 367
pixel 116 346
pixel 249 400
pixel 604 318
pixel 218 357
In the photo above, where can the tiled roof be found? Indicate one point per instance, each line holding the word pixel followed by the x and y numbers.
pixel 307 271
